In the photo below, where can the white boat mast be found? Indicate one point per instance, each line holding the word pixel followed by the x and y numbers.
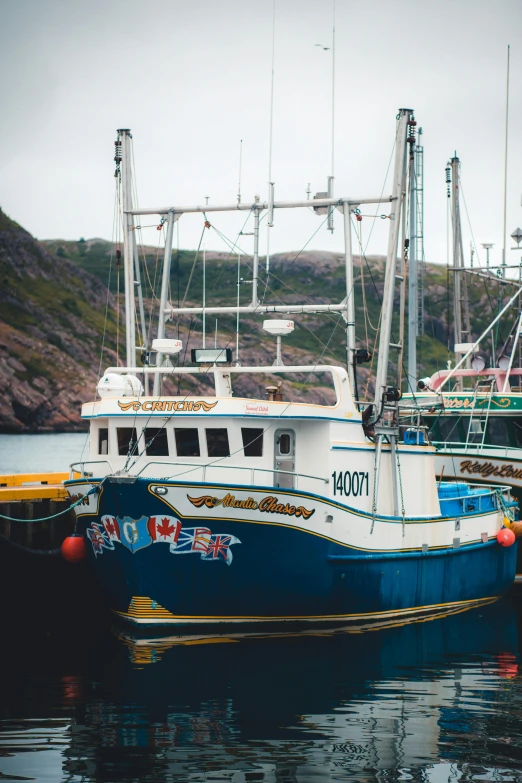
pixel 398 194
pixel 124 137
pixel 415 259
pixel 462 328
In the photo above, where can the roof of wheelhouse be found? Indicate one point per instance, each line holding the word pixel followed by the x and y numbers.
pixel 223 403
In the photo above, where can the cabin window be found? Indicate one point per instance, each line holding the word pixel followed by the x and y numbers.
pixel 187 442
pixel 156 444
pixel 497 432
pixel 217 442
pixel 449 429
pixel 103 440
pixel 127 439
pixel 517 430
pixel 284 443
pixel 252 441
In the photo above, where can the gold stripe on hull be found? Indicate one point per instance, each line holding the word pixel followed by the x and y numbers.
pixel 142 611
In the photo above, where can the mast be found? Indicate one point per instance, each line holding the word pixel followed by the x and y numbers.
pixel 416 274
pixel 128 246
pixel 461 327
pixel 350 300
pixel 504 235
pixel 412 279
pixel 167 260
pixel 398 192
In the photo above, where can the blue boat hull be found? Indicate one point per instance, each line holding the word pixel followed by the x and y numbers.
pixel 277 572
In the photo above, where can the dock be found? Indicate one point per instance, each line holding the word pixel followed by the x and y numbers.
pixel 32 496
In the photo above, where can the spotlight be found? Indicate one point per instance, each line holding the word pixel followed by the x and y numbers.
pixel 362 355
pixel 478 363
pixel 392 394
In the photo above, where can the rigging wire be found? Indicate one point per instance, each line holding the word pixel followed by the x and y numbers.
pixel 132 451
pixel 194 262
pixel 107 298
pixel 278 418
pixel 328 315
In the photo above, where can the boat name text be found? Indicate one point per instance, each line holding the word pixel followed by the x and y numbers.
pixel 467 402
pixel 268 505
pixel 172 406
pixel 486 469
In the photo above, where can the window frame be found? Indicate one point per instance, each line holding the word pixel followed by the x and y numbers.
pixel 166 436
pixel 255 439
pixel 217 429
pixel 187 456
pixel 136 431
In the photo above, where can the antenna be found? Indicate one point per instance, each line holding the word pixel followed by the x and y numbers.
pixel 270 183
pixel 333 92
pixel 331 178
pixel 505 167
pixel 487 247
pixel 240 167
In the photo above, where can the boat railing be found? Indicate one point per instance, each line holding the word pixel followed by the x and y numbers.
pixel 494 489
pixel 458 445
pixel 77 470
pixel 190 467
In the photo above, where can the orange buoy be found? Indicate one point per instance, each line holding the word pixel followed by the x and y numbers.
pixel 506 537
pixel 516 527
pixel 73 548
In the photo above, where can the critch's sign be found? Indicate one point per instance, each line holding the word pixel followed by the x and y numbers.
pixel 167 406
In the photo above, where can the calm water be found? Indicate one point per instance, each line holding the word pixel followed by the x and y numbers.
pixel 431 701
pixel 40 453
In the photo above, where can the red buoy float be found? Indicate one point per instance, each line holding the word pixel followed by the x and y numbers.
pixel 506 537
pixel 73 548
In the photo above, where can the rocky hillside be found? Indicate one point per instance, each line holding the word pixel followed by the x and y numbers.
pixel 51 324
pixel 54 299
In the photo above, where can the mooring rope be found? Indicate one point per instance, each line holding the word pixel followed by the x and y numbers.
pixel 59 514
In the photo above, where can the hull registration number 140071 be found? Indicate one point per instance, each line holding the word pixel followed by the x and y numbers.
pixel 350 483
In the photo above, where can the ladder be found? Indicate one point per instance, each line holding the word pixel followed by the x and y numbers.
pixel 478 424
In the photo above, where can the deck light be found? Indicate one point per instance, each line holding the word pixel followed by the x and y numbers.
pixel 478 363
pixel 211 355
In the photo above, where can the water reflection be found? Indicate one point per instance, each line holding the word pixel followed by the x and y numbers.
pixel 431 701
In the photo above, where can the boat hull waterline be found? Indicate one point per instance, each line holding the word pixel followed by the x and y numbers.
pixel 206 555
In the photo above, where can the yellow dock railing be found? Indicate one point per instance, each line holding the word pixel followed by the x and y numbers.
pixel 32 486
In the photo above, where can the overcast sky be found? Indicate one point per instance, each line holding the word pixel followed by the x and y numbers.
pixel 191 78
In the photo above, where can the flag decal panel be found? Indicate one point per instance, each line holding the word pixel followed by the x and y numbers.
pixel 136 534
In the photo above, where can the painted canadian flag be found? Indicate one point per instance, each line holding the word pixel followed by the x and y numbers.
pixel 164 529
pixel 112 528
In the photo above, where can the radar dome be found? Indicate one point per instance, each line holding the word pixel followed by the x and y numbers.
pixel 278 327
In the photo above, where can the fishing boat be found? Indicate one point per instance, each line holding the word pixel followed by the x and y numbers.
pixel 474 411
pixel 215 509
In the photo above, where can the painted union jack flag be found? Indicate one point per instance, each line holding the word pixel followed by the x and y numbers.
pixel 219 548
pixel 98 538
